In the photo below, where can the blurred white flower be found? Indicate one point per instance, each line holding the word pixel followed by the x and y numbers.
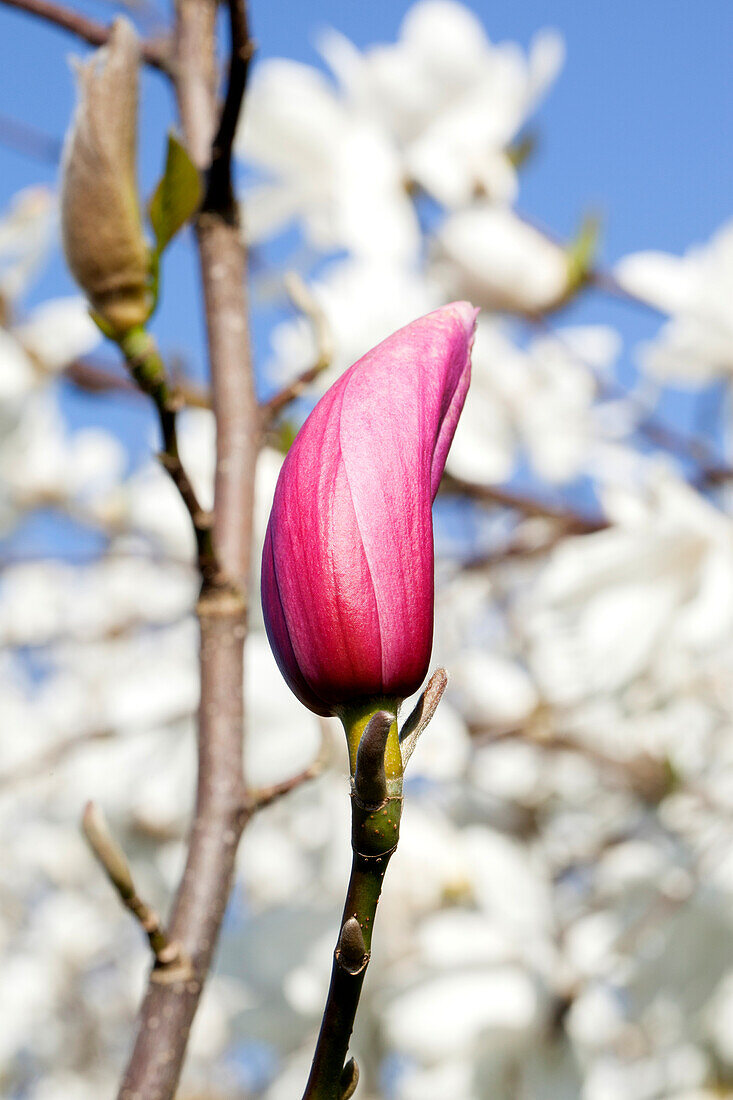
pixel 493 690
pixel 42 463
pixel 607 602
pixel 25 237
pixel 452 100
pixel 284 738
pixel 364 302
pixel 57 332
pixel 451 1015
pixel 489 255
pixel 330 167
pixel 696 345
pixel 539 399
pixel 448 1078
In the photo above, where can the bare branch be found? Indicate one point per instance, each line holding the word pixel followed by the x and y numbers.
pixel 573 522
pixel 265 796
pixel 221 796
pixel 28 140
pixel 96 378
pixel 170 960
pixel 303 299
pixel 219 191
pixel 147 369
pixel 154 54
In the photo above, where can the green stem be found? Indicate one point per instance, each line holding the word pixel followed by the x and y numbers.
pixel 375 832
pixel 146 367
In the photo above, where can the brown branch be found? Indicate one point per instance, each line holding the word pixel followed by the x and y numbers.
pixel 28 140
pixel 265 796
pixel 303 299
pixel 219 190
pixel 171 963
pixel 686 448
pixel 146 367
pixel 222 807
pixel 573 522
pixel 154 54
pixel 95 378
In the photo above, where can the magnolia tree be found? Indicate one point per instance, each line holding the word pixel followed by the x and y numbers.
pixel 555 921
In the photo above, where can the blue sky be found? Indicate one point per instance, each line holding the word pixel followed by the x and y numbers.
pixel 637 127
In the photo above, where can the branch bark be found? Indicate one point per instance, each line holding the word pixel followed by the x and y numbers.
pixel 154 54
pixel 572 522
pixel 222 802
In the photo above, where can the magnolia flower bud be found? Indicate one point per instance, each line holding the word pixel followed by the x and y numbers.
pixel 347 568
pixel 100 216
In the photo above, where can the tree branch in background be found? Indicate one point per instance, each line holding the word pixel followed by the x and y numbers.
pixel 303 299
pixel 28 140
pixel 222 806
pixel 265 796
pixel 96 378
pixel 154 54
pixel 575 523
pixel 147 369
pixel 171 963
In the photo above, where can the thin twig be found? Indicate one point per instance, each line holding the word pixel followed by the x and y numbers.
pixel 265 796
pixel 154 54
pixel 147 369
pixel 28 140
pixel 95 378
pixel 219 190
pixel 711 470
pixel 573 522
pixel 171 963
pixel 305 301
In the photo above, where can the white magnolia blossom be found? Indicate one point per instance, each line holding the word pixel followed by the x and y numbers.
pixel 331 168
pixel 616 602
pixel 25 238
pixel 438 109
pixel 363 302
pixel 451 99
pixel 539 400
pixel 499 262
pixel 696 344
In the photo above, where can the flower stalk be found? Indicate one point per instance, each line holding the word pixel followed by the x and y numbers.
pixel 148 370
pixel 376 809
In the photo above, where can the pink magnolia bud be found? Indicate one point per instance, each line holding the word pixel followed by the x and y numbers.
pixel 347 566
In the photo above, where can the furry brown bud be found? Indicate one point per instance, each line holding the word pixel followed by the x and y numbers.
pixel 100 214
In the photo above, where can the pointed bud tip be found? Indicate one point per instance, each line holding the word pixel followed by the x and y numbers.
pixel 349 1080
pixel 466 313
pixel 370 781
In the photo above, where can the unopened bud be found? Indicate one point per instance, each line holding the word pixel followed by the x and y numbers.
pixel 100 214
pixel 370 781
pixel 349 1080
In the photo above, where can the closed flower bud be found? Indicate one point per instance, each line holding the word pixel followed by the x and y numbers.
pixel 100 215
pixel 347 571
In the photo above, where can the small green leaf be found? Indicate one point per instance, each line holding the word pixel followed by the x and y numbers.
pixel 520 151
pixel 177 196
pixel 581 252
